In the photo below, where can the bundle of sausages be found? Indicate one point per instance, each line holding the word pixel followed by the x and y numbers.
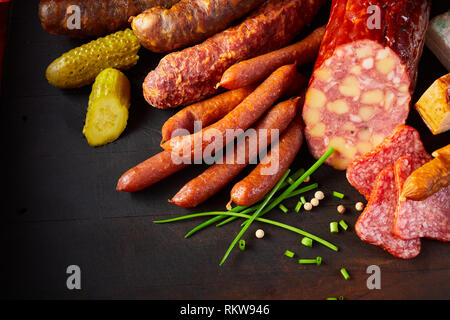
pixel 250 104
pixel 263 118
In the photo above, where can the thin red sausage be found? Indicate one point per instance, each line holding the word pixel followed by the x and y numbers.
pixel 256 69
pixel 207 111
pixel 220 174
pixel 149 172
pixel 264 177
pixel 241 117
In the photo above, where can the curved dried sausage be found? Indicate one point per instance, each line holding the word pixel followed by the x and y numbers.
pixel 220 174
pixel 192 74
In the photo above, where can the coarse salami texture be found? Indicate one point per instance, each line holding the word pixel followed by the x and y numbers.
pixel 364 75
pixel 375 225
pixel 192 74
pixel 429 218
pixel 269 171
pixel 362 172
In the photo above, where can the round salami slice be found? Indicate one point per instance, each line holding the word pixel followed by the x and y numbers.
pixel 376 223
pixel 429 218
pixel 361 86
pixel 362 172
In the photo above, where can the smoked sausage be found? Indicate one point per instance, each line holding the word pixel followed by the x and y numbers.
pixel 213 109
pixel 187 22
pixel 220 174
pixel 96 18
pixel 191 75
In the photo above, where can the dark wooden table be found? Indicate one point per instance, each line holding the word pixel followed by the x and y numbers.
pixel 60 206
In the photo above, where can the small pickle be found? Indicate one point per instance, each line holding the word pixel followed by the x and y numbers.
pixel 80 66
pixel 107 112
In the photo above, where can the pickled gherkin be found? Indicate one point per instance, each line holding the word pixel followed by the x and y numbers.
pixel 107 112
pixel 80 66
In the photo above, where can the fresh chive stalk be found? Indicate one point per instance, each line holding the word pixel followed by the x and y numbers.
pixel 245 216
pixel 254 216
pixel 289 254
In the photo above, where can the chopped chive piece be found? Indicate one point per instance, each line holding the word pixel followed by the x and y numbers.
pixel 298 207
pixel 283 208
pixel 289 254
pixel 307 242
pixel 242 244
pixel 334 227
pixel 338 195
pixel 331 298
pixel 341 297
pixel 343 225
pixel 303 200
pixel 307 261
pixel 290 180
pixel 317 261
pixel 345 274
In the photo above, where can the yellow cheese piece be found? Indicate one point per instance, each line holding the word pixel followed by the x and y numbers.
pixel 434 105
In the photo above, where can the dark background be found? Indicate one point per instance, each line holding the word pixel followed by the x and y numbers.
pixel 60 206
